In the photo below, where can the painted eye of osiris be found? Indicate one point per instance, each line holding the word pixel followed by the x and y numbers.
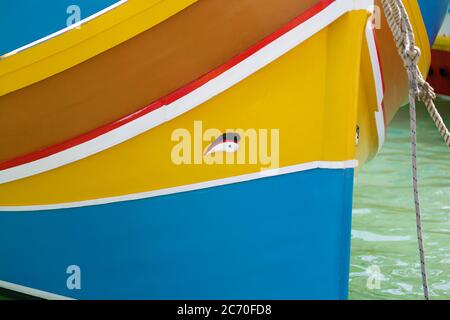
pixel 228 142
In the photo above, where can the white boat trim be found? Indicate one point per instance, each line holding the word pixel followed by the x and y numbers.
pixel 68 28
pixel 336 165
pixel 378 79
pixel 32 292
pixel 215 86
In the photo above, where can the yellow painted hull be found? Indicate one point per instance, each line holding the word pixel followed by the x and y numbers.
pixel 314 120
pixel 442 43
pixel 317 96
pixel 22 69
pixel 238 184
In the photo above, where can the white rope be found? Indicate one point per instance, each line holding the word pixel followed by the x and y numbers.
pixel 419 89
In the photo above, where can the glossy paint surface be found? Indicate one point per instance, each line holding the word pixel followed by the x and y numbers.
pixel 433 13
pixel 25 21
pixel 283 237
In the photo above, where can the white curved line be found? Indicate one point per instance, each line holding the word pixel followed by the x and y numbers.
pixel 32 292
pixel 336 165
pixel 59 32
pixel 378 79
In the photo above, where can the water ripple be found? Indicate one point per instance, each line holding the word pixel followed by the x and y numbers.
pixel 384 229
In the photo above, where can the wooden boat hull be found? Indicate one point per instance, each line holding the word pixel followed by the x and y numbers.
pixel 129 76
pixel 227 242
pixel 439 76
pixel 140 208
pixel 433 13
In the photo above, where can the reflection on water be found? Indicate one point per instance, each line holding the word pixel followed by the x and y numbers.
pixel 384 229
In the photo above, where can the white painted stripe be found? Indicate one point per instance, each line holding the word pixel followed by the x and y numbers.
pixel 376 70
pixel 212 88
pixel 192 187
pixel 31 291
pixel 57 33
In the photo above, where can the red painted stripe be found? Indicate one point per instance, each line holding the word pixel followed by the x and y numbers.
pixel 56 148
pixel 439 76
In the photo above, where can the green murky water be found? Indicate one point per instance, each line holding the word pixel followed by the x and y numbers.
pixel 5 298
pixel 384 244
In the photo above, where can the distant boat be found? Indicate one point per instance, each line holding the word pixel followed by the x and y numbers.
pixel 108 184
pixel 439 75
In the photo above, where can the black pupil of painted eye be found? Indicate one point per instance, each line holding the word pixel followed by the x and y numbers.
pixel 226 137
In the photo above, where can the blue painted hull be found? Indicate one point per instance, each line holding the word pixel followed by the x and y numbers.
pixel 282 237
pixel 433 14
pixel 25 21
pixel 19 27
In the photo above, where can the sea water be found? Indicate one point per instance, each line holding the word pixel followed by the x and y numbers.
pixel 384 254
